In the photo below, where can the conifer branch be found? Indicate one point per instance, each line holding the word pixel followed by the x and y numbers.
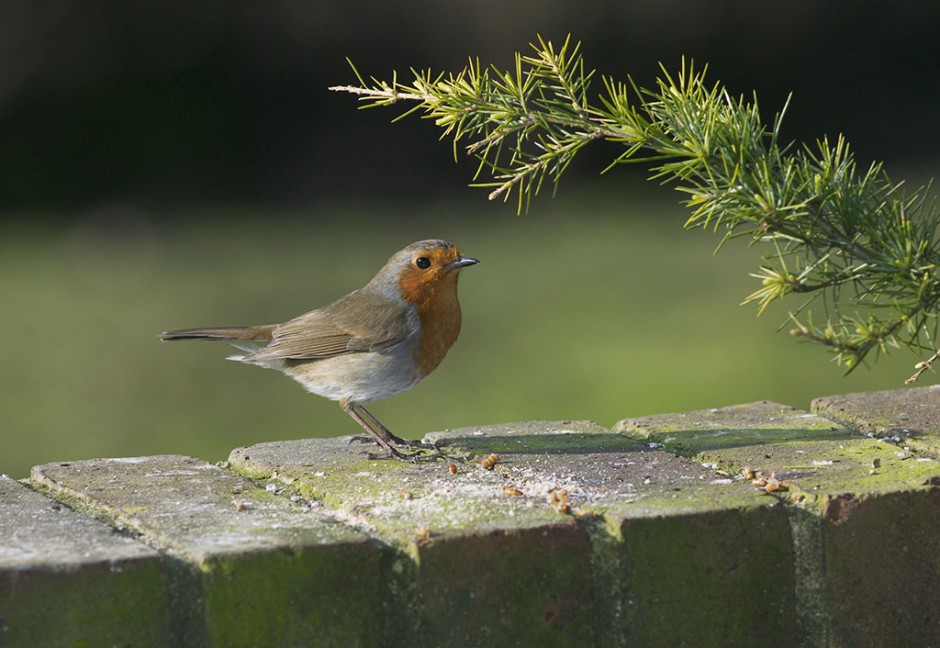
pixel 863 251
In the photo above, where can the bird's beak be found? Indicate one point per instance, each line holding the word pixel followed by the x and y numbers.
pixel 462 262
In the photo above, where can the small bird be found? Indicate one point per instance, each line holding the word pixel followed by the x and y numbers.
pixel 375 342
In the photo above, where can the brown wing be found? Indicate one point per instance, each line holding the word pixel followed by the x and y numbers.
pixel 355 323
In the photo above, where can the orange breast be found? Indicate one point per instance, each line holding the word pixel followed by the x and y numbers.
pixel 439 314
pixel 440 325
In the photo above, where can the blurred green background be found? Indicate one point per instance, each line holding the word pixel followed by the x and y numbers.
pixel 168 165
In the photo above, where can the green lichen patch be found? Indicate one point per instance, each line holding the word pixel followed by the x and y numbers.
pixel 396 501
pixel 256 562
pixel 68 580
pixel 813 471
pixel 295 597
pixel 812 455
pixel 909 417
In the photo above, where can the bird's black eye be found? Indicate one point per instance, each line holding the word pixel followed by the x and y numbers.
pixel 423 262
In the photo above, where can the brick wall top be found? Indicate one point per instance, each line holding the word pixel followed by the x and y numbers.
pixel 732 525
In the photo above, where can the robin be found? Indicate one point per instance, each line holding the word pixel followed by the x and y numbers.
pixel 375 342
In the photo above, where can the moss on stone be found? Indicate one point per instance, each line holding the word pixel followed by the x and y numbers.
pixel 728 574
pixel 323 596
pixel 101 604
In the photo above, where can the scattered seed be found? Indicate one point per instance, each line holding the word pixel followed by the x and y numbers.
pixel 559 501
pixel 490 461
pixel 423 536
pixel 774 485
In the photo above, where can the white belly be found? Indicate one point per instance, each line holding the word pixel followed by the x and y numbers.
pixel 357 377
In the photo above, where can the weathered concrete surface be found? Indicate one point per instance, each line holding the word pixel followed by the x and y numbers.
pixel 858 508
pixel 495 559
pixel 912 416
pixel 69 580
pixel 238 549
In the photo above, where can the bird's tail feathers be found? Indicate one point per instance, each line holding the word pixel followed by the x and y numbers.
pixel 227 333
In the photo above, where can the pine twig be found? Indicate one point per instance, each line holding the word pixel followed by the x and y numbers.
pixel 864 252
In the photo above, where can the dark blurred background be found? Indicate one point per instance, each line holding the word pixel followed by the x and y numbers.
pixel 162 103
pixel 167 164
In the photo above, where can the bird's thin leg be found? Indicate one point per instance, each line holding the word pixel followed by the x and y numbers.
pixel 352 410
pixel 387 435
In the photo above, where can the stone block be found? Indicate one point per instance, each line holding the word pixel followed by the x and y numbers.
pixel 69 580
pixel 251 568
pixel 909 416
